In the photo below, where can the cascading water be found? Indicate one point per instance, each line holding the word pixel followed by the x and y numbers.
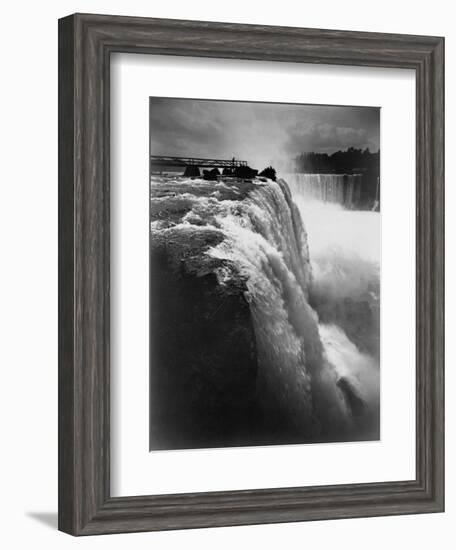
pixel 344 249
pixel 313 370
pixel 343 189
pixel 317 371
pixel 267 244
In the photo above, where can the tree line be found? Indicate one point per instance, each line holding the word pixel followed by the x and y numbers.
pixel 345 162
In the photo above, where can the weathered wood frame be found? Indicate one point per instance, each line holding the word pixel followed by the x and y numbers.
pixel 85 45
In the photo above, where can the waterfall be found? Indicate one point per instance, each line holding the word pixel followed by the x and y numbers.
pixel 343 189
pixel 266 242
pixel 317 376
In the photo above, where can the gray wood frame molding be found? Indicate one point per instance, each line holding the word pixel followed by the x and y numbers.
pixel 85 45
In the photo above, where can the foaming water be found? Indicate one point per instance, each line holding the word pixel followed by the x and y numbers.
pixel 311 272
pixel 354 233
pixel 303 361
pixel 345 249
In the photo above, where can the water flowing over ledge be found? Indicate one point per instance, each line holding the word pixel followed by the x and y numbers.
pixel 254 338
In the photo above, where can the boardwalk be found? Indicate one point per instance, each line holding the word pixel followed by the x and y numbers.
pixel 157 161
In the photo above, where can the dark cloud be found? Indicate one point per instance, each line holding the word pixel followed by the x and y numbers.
pixel 260 133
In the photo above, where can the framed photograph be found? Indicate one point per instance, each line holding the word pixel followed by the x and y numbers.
pixel 251 274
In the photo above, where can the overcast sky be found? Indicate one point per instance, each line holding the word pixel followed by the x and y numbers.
pixel 260 133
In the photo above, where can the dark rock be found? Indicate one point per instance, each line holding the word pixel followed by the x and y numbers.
pixel 192 171
pixel 269 172
pixel 211 175
pixel 355 403
pixel 203 349
pixel 245 172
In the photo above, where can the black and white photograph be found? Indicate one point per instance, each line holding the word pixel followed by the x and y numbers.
pixel 225 247
pixel 264 273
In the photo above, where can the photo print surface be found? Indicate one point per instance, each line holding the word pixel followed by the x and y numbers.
pixel 264 273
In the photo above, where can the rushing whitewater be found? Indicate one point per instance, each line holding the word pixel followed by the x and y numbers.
pixel 309 272
pixel 342 189
pixel 345 254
